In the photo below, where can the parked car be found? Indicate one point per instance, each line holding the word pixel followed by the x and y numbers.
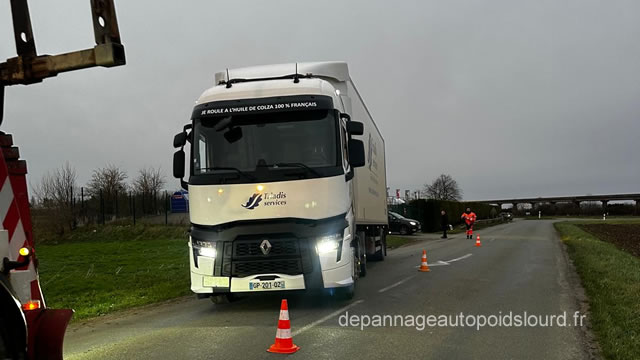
pixel 506 216
pixel 402 225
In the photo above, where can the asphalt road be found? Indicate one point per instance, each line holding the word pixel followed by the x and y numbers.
pixel 520 267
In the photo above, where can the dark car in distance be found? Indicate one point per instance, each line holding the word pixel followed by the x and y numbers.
pixel 402 225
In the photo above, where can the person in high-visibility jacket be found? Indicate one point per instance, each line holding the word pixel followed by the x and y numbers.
pixel 469 218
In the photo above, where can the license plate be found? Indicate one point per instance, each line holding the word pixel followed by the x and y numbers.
pixel 266 285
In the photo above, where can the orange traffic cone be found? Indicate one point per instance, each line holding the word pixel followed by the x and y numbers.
pixel 424 267
pixel 478 244
pixel 284 342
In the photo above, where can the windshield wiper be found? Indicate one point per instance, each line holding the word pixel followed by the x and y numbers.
pixel 250 177
pixel 300 165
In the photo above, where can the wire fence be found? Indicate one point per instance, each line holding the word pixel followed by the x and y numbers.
pixel 81 208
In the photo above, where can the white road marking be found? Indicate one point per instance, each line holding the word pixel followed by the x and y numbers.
pixel 460 258
pixel 448 262
pixel 320 321
pixel 396 284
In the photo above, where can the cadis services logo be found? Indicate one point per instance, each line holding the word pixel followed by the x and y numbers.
pixel 254 201
pixel 270 199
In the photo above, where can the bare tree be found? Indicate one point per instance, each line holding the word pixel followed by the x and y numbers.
pixel 109 179
pixel 55 195
pixel 444 187
pixel 149 181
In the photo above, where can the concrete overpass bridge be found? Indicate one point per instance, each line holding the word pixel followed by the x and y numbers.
pixel 577 200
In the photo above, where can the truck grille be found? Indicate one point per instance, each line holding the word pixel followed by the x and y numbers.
pixel 246 268
pixel 279 247
pixel 283 258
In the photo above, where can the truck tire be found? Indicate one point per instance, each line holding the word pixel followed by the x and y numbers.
pixel 227 298
pixel 6 352
pixel 346 293
pixel 363 264
pixel 3 349
pixel 362 254
pixel 12 342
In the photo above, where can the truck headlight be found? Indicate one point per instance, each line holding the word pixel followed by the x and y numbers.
pixel 204 248
pixel 328 243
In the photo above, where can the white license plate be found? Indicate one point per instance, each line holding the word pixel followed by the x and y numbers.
pixel 266 285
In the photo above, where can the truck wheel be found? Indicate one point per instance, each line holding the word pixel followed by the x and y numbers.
pixel 404 230
pixel 361 254
pixel 224 298
pixel 346 293
pixel 6 352
pixel 3 350
pixel 363 265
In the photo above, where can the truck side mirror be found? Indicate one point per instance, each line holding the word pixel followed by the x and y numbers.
pixel 355 128
pixel 178 164
pixel 180 140
pixel 356 153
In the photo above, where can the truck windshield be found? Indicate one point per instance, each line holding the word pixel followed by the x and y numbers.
pixel 261 147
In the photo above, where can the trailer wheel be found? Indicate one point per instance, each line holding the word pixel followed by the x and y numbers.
pixel 384 233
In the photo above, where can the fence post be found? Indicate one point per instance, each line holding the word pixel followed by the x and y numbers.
pixel 116 205
pixel 74 221
pixel 166 208
pixel 102 207
pixel 133 202
pixel 84 221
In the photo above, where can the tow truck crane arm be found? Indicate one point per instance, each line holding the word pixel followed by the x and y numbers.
pixel 28 329
pixel 29 67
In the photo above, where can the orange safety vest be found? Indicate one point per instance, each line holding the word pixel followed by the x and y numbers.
pixel 469 218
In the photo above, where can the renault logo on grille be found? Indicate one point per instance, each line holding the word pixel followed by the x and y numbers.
pixel 265 246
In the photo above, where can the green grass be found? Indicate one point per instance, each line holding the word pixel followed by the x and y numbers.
pixel 97 270
pixel 611 278
pixel 394 241
pixel 614 218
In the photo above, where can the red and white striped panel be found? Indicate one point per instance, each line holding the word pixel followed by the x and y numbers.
pixel 25 280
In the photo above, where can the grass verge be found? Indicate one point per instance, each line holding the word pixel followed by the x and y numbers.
pixel 611 278
pixel 97 270
pixel 395 241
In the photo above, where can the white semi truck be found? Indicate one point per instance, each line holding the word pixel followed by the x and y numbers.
pixel 287 182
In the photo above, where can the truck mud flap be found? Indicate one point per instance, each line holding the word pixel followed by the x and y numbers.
pixel 46 329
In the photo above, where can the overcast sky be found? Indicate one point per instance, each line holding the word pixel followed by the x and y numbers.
pixel 512 98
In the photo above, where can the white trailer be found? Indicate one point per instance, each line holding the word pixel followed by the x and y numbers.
pixel 287 181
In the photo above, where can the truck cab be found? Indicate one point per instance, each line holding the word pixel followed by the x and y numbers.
pixel 273 159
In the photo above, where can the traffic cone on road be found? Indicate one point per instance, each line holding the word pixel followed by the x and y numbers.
pixel 424 267
pixel 478 244
pixel 284 342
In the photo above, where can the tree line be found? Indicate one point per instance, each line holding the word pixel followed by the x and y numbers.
pixel 60 204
